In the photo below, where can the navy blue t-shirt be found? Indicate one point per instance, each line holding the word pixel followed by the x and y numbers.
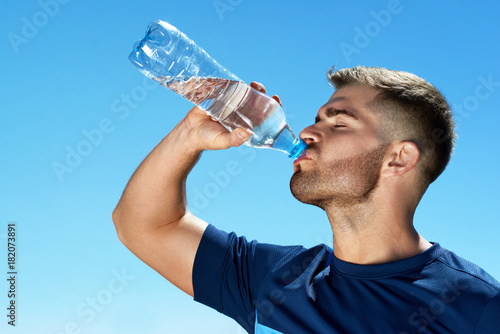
pixel 290 289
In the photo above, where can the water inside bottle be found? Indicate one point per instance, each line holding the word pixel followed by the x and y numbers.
pixel 235 104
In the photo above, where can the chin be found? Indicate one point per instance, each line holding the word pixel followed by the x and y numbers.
pixel 301 187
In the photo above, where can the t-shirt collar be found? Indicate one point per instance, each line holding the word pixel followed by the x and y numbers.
pixel 387 269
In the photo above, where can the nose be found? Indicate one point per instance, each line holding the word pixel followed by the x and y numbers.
pixel 310 134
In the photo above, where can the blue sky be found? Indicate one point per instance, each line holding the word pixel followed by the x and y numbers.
pixel 71 99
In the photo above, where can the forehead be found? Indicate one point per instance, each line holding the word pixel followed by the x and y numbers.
pixel 355 96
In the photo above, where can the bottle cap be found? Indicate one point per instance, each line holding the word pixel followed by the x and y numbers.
pixel 299 150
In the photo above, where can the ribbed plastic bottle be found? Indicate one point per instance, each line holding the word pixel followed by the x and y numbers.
pixel 169 57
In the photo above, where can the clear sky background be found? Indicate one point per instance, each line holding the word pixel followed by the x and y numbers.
pixel 77 118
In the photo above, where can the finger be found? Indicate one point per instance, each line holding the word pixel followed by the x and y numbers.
pixel 277 98
pixel 258 86
pixel 239 136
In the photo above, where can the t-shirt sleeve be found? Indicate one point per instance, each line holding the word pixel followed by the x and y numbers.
pixel 228 272
pixel 489 322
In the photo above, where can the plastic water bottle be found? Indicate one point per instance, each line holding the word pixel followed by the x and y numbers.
pixel 169 57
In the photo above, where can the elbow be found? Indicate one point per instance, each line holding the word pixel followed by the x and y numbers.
pixel 117 218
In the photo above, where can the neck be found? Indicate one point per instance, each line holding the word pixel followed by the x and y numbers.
pixel 363 234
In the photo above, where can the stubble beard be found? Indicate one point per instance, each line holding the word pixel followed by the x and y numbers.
pixel 341 183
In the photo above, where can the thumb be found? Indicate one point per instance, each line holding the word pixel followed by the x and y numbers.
pixel 226 139
pixel 239 136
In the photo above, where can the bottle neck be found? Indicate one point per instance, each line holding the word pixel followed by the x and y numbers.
pixel 288 143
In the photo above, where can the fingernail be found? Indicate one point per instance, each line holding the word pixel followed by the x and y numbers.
pixel 242 134
pixel 257 85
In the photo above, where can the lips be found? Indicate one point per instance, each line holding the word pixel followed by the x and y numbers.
pixel 306 156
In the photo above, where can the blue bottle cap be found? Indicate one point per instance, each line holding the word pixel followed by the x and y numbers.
pixel 298 150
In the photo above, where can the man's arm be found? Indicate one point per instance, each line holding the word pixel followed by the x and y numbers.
pixel 151 218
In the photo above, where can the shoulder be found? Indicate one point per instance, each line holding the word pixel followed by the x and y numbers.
pixel 469 271
pixel 463 284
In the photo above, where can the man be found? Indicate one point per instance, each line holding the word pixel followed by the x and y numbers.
pixel 376 145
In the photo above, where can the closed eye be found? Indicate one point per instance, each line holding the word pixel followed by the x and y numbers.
pixel 335 113
pixel 318 119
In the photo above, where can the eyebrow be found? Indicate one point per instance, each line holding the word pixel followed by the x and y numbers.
pixel 332 112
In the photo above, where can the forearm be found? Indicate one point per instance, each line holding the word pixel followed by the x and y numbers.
pixel 155 194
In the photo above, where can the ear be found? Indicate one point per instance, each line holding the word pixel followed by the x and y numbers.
pixel 401 157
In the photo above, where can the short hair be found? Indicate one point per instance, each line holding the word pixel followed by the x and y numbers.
pixel 413 110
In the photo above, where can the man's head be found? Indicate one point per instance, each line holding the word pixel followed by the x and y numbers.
pixel 374 113
pixel 412 110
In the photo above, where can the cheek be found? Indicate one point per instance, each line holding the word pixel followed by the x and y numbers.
pixel 342 148
pixel 354 143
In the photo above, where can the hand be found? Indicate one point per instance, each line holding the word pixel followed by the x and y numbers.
pixel 260 87
pixel 205 133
